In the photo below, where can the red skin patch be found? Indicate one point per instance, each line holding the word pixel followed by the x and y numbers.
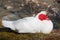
pixel 43 17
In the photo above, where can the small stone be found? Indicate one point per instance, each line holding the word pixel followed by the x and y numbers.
pixel 8 7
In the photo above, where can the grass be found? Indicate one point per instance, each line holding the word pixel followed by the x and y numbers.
pixel 36 36
pixel 13 36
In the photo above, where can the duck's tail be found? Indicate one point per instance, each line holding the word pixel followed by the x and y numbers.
pixel 8 24
pixel 5 29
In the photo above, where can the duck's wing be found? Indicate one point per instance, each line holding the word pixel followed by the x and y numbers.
pixel 28 25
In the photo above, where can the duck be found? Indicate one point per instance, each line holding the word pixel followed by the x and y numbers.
pixel 33 24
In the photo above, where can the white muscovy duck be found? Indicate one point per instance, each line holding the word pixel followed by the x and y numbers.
pixel 37 24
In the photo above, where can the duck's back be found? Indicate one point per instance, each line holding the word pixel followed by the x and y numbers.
pixel 28 24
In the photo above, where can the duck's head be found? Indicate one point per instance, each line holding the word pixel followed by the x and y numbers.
pixel 42 12
pixel 42 15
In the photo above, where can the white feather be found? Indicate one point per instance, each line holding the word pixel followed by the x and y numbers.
pixel 8 24
pixel 28 25
pixel 47 26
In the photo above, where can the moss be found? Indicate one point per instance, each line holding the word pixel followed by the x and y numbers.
pixel 36 36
